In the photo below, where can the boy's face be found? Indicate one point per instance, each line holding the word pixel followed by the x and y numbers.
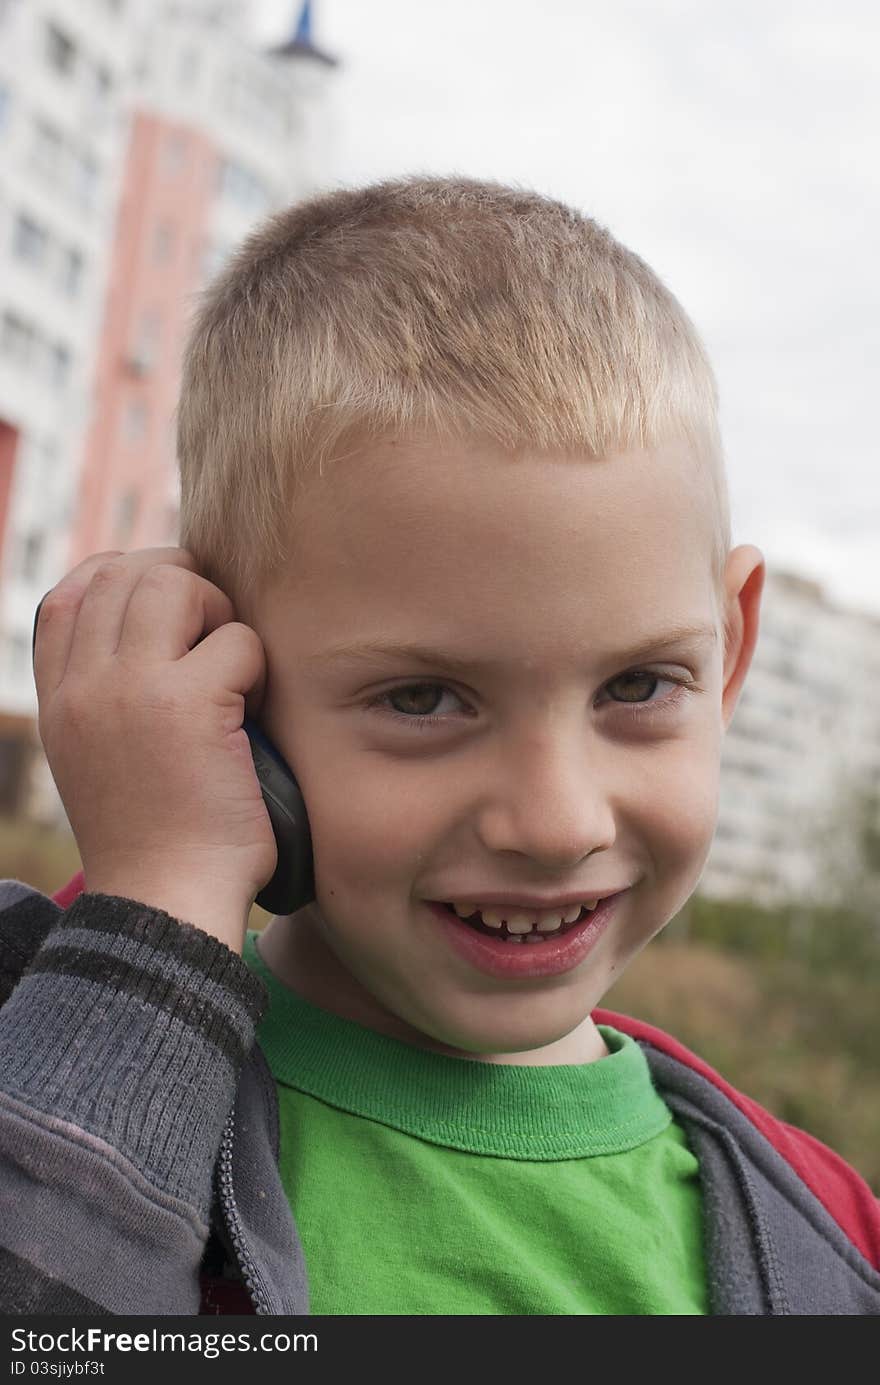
pixel 560 761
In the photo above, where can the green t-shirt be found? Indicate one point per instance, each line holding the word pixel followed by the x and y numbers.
pixel 425 1184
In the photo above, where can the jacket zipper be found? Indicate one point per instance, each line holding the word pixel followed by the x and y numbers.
pixel 241 1254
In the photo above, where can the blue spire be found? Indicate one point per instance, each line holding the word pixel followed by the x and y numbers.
pixel 303 31
pixel 300 45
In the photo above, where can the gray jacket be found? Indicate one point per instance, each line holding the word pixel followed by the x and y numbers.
pixel 139 1138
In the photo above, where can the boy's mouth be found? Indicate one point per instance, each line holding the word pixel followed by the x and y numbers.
pixel 554 949
pixel 518 926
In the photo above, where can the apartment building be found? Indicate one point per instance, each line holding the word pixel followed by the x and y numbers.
pixel 803 744
pixel 140 140
pixel 222 135
pixel 63 73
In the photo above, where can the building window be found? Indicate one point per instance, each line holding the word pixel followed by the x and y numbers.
pixel 142 354
pixel 49 451
pixel 163 242
pixel 29 240
pixel 32 548
pixel 70 276
pixel 241 186
pixel 59 365
pixel 126 513
pixel 87 177
pixel 46 151
pixel 103 83
pixel 17 339
pixel 4 105
pixel 60 50
pixel 18 656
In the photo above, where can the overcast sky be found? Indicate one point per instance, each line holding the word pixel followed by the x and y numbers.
pixel 733 144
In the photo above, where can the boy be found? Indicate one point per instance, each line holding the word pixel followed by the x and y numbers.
pixel 455 533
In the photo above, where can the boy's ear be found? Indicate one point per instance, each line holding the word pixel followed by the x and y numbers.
pixel 743 584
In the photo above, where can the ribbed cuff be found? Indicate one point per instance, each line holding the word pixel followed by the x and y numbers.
pixel 134 1026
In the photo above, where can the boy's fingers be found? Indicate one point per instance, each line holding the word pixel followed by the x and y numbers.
pixel 57 619
pixel 168 612
pixel 236 659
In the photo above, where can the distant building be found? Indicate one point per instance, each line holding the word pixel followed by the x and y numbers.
pixel 804 737
pixel 140 140
pixel 63 76
pixel 221 136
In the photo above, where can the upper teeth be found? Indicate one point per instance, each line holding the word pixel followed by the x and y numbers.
pixel 522 921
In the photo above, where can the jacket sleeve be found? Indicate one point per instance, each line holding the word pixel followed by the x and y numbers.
pixel 121 1044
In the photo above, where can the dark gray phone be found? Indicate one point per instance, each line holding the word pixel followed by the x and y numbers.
pixel 293 884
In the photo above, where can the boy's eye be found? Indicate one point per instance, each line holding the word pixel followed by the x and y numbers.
pixel 418 700
pixel 641 686
pixel 417 703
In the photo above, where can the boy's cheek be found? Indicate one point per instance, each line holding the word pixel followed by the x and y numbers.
pixel 684 827
pixel 366 834
pixel 666 802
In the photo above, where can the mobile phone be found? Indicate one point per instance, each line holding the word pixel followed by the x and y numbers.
pixel 293 884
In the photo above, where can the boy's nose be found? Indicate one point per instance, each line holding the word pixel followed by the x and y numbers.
pixel 550 802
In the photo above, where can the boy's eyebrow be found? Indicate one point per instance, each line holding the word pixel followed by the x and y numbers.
pixel 367 651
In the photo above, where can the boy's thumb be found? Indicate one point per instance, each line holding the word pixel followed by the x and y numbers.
pixel 255 697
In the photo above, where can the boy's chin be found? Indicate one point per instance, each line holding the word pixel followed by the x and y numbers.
pixel 524 1043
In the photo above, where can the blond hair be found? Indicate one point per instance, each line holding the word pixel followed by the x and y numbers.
pixel 440 305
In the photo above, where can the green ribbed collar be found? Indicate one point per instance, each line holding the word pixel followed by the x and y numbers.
pixel 543 1113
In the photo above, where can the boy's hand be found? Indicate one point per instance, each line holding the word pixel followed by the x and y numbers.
pixel 143 677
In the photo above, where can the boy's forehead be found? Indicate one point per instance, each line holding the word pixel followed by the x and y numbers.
pixel 476 548
pixel 421 482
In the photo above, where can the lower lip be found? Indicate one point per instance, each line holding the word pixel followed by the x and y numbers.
pixel 511 960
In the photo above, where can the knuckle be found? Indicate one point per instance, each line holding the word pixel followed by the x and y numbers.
pixel 162 574
pixel 109 571
pixel 69 591
pixel 94 563
pixel 60 598
pixel 95 559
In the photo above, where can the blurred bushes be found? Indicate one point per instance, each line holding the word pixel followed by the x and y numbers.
pixel 784 1003
pixel 40 856
pixel 820 938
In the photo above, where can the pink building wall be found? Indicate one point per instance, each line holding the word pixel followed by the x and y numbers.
pixel 126 483
pixel 9 436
